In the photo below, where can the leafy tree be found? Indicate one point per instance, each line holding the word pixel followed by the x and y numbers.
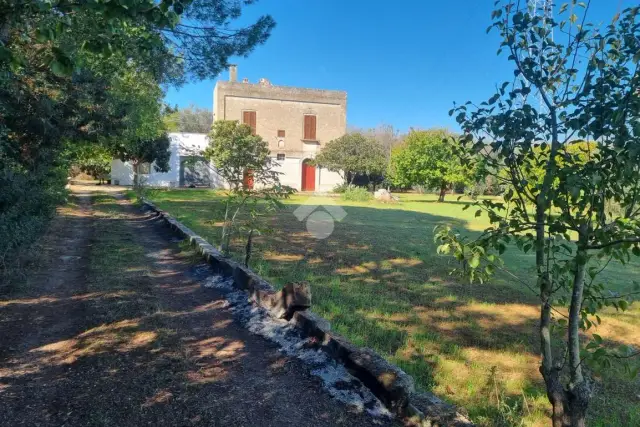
pixel 137 96
pixel 94 160
pixel 585 85
pixel 62 65
pixel 196 120
pixel 387 137
pixel 237 153
pixel 142 150
pixel 426 158
pixel 197 33
pixel 534 170
pixel 171 121
pixel 353 154
pixel 191 120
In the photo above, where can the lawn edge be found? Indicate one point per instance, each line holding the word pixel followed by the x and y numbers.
pixel 394 387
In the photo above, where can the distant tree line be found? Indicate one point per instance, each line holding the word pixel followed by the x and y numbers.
pixel 192 119
pixel 422 159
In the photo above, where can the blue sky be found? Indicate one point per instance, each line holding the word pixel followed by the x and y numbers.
pixel 403 63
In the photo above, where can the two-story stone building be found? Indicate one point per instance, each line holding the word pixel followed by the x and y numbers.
pixel 296 122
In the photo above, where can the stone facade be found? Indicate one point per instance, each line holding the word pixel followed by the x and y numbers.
pixel 279 119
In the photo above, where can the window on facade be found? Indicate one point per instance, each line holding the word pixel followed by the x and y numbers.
pixel 280 156
pixel 249 118
pixel 144 168
pixel 281 133
pixel 310 127
pixel 281 143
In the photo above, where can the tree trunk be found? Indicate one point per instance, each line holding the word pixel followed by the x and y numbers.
pixel 569 407
pixel 225 227
pixel 247 255
pixel 135 175
pixel 556 396
pixel 443 191
pixel 579 390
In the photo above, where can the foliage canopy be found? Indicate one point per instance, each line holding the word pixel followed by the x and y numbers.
pixel 352 154
pixel 426 158
pixel 558 204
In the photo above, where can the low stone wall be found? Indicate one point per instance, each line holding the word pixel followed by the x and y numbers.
pixel 387 382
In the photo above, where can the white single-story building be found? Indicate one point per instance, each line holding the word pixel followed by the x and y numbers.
pixel 185 172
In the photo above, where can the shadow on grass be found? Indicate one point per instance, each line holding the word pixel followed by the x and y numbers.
pixel 379 282
pixel 130 337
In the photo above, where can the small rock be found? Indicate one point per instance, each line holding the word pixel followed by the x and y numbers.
pixel 384 196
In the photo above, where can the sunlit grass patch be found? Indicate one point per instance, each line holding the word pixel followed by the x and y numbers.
pixel 379 282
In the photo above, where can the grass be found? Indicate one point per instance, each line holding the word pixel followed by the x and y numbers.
pixel 117 265
pixel 378 279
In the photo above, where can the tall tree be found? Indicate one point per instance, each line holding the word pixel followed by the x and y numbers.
pixel 353 154
pixel 92 159
pixel 584 85
pixel 61 69
pixel 192 119
pixel 235 151
pixel 238 155
pixel 196 32
pixel 426 158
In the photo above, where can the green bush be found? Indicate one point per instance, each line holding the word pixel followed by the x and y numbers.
pixel 340 188
pixel 27 201
pixel 356 194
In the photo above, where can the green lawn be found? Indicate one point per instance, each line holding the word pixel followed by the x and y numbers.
pixel 378 279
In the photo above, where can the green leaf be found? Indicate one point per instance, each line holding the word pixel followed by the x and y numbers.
pixel 474 262
pixel 61 68
pixel 42 36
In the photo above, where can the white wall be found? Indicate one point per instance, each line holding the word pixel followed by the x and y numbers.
pixel 291 169
pixel 182 144
pixel 185 144
pixel 327 180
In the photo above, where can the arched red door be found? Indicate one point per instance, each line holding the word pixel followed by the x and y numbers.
pixel 308 176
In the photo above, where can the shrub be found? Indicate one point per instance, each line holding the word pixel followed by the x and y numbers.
pixel 357 194
pixel 340 188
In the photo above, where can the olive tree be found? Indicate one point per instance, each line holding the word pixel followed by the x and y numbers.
pixel 92 159
pixel 353 154
pixel 582 85
pixel 237 155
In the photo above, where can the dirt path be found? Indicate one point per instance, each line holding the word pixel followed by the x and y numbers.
pixel 115 329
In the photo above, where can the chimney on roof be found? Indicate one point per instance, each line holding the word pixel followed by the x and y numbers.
pixel 233 73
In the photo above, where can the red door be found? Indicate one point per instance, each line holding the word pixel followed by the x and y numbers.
pixel 248 179
pixel 308 176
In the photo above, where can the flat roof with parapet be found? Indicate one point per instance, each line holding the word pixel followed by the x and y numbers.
pixel 277 92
